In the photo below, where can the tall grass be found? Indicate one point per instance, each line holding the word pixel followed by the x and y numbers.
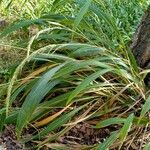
pixel 78 68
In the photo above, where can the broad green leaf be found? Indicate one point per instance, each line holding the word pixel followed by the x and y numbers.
pixel 53 56
pixel 145 108
pixel 86 82
pixel 88 51
pixel 81 13
pixel 108 142
pixel 39 90
pixel 109 122
pixel 75 65
pixel 126 128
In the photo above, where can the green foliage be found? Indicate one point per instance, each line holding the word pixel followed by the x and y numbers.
pixel 39 90
pixel 77 67
pixel 145 108
pixel 109 122
pixel 105 145
pixel 147 146
pixel 125 129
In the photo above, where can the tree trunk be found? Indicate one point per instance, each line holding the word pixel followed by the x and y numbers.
pixel 141 42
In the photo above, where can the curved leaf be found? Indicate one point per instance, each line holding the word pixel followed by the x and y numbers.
pixel 86 82
pixel 39 90
pixel 58 122
pixel 109 122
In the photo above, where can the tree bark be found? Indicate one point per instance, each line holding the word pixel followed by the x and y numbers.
pixel 141 42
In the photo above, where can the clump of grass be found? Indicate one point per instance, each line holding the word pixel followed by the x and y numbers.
pixel 80 69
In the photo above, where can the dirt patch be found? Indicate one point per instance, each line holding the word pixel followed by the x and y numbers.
pixel 8 139
pixel 84 134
